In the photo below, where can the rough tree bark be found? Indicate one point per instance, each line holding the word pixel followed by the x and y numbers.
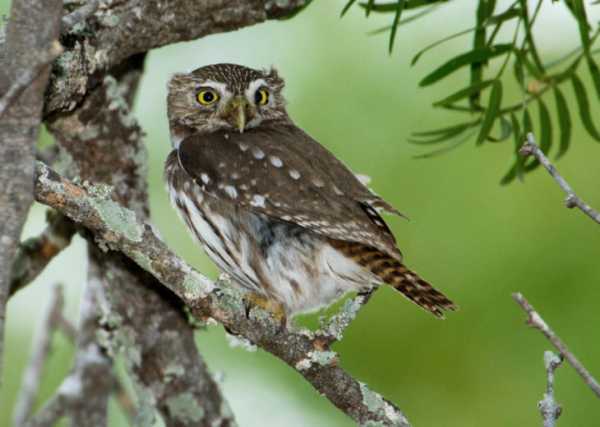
pixel 20 122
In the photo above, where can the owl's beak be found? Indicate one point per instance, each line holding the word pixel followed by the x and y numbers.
pixel 236 113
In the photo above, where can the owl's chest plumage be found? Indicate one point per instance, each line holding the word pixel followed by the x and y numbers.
pixel 277 259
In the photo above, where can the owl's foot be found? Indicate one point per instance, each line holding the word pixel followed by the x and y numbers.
pixel 275 309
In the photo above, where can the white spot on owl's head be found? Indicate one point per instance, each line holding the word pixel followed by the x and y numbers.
pixel 258 201
pixel 204 177
pixel 294 174
pixel 276 161
pixel 258 153
pixel 235 175
pixel 243 146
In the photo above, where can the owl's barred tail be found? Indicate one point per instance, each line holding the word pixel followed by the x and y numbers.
pixel 414 288
pixel 392 272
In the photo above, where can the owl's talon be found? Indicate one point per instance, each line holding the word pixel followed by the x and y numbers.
pixel 275 309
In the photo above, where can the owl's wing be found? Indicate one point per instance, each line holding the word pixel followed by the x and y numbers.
pixel 283 173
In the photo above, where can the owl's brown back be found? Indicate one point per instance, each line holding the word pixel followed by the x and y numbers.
pixel 281 172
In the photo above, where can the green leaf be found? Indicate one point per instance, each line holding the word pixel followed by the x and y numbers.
pixel 347 7
pixel 399 9
pixel 440 138
pixel 445 149
pixel 463 93
pixel 564 122
pixel 584 107
pixel 517 168
pixel 477 55
pixel 505 131
pixel 518 69
pixel 391 7
pixel 403 21
pixel 531 68
pixel 447 129
pixel 527 23
pixel 527 123
pixel 437 43
pixel 479 43
pixel 527 128
pixel 509 14
pixel 595 73
pixel 545 127
pixel 491 112
pixel 369 7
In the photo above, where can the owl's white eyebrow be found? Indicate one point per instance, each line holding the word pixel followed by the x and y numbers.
pixel 220 87
pixel 253 86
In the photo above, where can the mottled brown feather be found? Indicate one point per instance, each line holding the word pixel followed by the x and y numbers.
pixel 392 272
pixel 283 173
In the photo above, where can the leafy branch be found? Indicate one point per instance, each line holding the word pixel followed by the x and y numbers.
pixel 492 115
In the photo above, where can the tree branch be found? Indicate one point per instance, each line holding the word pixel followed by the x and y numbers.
pixel 548 406
pixel 35 253
pixel 83 394
pixel 536 321
pixel 530 148
pixel 117 228
pixel 333 329
pixel 33 26
pixel 26 78
pixel 117 30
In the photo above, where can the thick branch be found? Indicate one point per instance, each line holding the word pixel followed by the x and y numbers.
pixel 530 148
pixel 83 394
pixel 119 29
pixel 33 27
pixel 536 321
pixel 118 229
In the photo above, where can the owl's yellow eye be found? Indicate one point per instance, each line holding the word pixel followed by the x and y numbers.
pixel 207 97
pixel 261 97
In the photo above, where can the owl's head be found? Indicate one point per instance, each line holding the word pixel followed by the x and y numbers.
pixel 223 97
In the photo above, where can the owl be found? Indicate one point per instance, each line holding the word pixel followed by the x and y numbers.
pixel 274 209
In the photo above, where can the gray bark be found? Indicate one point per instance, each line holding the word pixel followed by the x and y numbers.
pixel 20 123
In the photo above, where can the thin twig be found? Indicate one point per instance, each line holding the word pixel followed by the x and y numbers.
pixel 530 148
pixel 26 78
pixel 333 329
pixel 35 253
pixel 536 321
pixel 37 360
pixel 548 406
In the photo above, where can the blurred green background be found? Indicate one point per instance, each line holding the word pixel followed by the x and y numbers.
pixel 472 238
